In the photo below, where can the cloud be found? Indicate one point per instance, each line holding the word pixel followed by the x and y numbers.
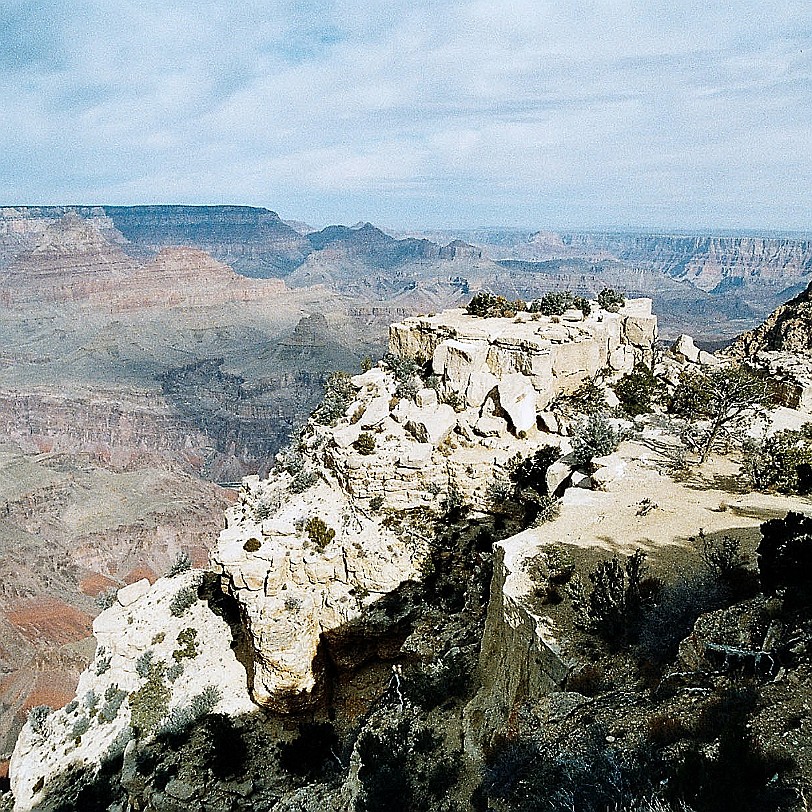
pixel 594 113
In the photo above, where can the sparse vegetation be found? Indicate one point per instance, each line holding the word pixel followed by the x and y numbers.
pixel 319 533
pixel 593 437
pixel 365 444
pixel 252 545
pixel 611 300
pixel 638 390
pixel 182 563
pixel 490 306
pixel 723 397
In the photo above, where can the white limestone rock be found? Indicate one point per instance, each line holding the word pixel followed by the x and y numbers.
pixel 431 425
pixel 518 398
pixel 684 346
pixel 145 627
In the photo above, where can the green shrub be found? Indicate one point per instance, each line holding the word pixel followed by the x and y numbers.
pixel 319 533
pixel 102 663
pixel 376 503
pixel 365 444
pixel 722 555
pixel 181 564
pixel 338 393
pixel 638 390
pixel 555 303
pixel 619 593
pixel 113 699
pixel 187 642
pixel 143 665
pixel 38 719
pixel 104 600
pixel 531 472
pixel 611 300
pixel 588 398
pixel 490 306
pixel 149 704
pixel 781 462
pixel 252 545
pixel 594 437
pixel 183 599
pixel 181 718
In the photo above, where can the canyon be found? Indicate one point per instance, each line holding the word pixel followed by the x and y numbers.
pixel 152 357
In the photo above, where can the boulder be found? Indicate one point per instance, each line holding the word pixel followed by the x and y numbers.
pixel 708 359
pixel 557 474
pixel 131 593
pixel 426 397
pixel 431 425
pixel 490 426
pixel 549 422
pixel 610 468
pixel 518 399
pixel 685 347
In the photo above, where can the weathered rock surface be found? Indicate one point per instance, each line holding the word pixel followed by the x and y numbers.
pixel 152 660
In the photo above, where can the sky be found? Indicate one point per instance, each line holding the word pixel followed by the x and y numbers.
pixel 414 114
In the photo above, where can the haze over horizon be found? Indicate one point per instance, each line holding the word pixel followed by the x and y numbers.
pixel 594 115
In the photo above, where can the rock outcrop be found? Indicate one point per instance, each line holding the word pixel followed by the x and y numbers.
pixel 302 565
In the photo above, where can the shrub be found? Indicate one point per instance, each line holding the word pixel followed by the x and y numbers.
pixel 181 564
pixel 722 556
pixel 637 390
pixel 187 640
pixel 338 392
pixel 113 699
pixel 183 599
pixel 365 444
pixel 594 437
pixel 531 472
pixel 403 369
pixel 80 727
pixel 550 571
pixel 38 719
pixel 724 397
pixel 489 306
pixel 782 462
pixel 252 545
pixel 499 491
pixel 547 508
pixel 376 503
pixel 149 704
pixel 611 300
pixel 104 600
pixel 103 660
pixel 181 718
pixel 785 553
pixel 143 665
pixel 618 595
pixel 319 533
pixel 588 398
pixel 555 303
pixel 678 606
pixel 302 481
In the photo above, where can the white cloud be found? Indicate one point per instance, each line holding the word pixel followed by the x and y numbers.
pixel 583 113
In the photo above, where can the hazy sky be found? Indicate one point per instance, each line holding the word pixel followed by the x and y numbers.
pixel 575 113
